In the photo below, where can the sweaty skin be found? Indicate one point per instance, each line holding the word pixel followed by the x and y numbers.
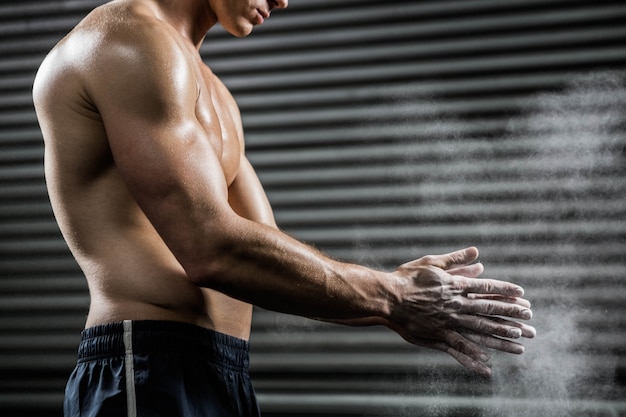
pixel 147 175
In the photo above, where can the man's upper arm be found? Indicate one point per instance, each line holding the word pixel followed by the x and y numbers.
pixel 164 156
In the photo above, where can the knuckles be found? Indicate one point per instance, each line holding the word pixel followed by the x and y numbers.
pixel 455 304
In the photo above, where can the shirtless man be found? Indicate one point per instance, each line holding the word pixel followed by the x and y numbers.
pixel 150 185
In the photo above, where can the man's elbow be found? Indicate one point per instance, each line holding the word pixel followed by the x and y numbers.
pixel 211 266
pixel 202 273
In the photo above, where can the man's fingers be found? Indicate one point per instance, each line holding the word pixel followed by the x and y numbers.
pixel 459 258
pixel 486 286
pixel 485 325
pixel 495 326
pixel 479 367
pixel 496 343
pixel 527 331
pixel 513 300
pixel 491 308
pixel 467 353
pixel 448 261
pixel 471 271
pixel 448 341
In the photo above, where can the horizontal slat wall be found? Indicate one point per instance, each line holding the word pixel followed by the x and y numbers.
pixel 382 131
pixel 43 297
pixel 386 130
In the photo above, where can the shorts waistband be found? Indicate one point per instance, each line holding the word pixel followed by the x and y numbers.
pixel 151 336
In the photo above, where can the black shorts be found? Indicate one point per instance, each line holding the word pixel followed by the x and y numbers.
pixel 160 368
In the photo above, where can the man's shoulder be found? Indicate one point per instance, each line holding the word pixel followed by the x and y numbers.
pixel 133 27
pixel 112 38
pixel 113 28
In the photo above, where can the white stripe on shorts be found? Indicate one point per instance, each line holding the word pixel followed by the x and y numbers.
pixel 131 402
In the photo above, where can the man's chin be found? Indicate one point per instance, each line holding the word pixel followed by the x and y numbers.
pixel 240 31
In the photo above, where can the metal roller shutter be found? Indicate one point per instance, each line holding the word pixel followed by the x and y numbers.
pixel 382 131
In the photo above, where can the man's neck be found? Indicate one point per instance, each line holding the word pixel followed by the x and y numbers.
pixel 191 18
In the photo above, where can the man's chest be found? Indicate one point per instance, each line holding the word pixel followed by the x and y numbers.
pixel 218 114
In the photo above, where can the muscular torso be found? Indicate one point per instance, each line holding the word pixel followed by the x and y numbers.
pixel 131 272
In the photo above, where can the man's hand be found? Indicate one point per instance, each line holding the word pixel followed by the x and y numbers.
pixel 441 304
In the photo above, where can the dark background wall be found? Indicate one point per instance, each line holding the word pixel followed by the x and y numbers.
pixel 382 131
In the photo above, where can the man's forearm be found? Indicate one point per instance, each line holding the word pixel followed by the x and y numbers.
pixel 268 268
